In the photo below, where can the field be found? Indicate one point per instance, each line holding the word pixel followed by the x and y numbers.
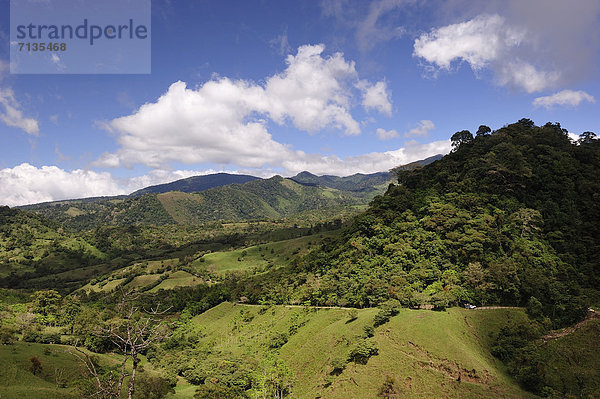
pixel 423 351
pixel 146 273
pixel 274 253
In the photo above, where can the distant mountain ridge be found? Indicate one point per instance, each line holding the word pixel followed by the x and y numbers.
pixel 196 183
pixel 222 196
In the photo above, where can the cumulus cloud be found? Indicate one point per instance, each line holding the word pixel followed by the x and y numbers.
pixel 224 121
pixel 564 98
pixel 12 114
pixel 313 91
pixel 366 163
pixel 422 130
pixel 383 134
pixel 376 97
pixel 482 42
pixel 27 184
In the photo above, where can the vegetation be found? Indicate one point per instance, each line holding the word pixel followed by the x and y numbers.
pixel 490 223
pixel 282 288
pixel 256 199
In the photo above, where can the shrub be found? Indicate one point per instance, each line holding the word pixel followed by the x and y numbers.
pixel 382 317
pixel 278 340
pixel 338 364
pixel 151 387
pixel 352 315
pixel 363 351
pixel 39 337
pixel 36 366
pixel 386 311
pixel 388 389
pixel 369 331
pixel 7 335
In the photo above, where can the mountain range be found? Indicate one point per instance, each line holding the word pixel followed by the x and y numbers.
pixel 222 196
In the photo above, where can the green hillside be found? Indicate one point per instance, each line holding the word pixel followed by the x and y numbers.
pixel 490 223
pixel 422 351
pixel 272 198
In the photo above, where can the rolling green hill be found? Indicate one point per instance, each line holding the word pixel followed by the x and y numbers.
pixel 422 352
pixel 257 199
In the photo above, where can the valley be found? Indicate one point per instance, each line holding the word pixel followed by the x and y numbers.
pixel 318 286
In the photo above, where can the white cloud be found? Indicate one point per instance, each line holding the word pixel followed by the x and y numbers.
pixel 366 163
pixel 422 130
pixel 224 121
pixel 477 41
pixel 486 41
pixel 371 30
pixel 574 137
pixel 281 43
pixel 376 97
pixel 27 184
pixel 564 98
pixel 383 134
pixel 13 116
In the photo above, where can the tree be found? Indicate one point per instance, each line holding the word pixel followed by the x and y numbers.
pixel 70 310
pixel 363 351
pixel 46 302
pixel 483 130
pixel 586 138
pixel 132 333
pixel 460 138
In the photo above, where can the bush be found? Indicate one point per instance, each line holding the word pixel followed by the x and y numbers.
pixel 388 389
pixel 382 317
pixel 98 344
pixel 7 335
pixel 36 366
pixel 352 315
pixel 338 364
pixel 386 311
pixel 41 338
pixel 278 340
pixel 369 331
pixel 363 351
pixel 535 309
pixel 151 387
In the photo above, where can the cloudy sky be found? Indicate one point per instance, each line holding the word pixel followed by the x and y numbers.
pixel 278 87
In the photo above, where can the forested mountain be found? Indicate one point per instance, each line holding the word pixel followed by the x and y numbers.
pixel 196 183
pixel 506 218
pixel 257 199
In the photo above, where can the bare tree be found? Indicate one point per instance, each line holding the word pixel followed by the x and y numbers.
pixel 131 333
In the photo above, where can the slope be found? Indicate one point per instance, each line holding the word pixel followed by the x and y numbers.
pixel 422 351
pixel 196 183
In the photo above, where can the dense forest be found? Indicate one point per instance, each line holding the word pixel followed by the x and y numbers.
pixel 507 216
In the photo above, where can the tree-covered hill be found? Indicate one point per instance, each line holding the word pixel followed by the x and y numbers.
pixel 257 199
pixel 507 218
pixel 196 183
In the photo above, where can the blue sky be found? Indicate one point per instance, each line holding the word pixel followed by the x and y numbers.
pixel 277 87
